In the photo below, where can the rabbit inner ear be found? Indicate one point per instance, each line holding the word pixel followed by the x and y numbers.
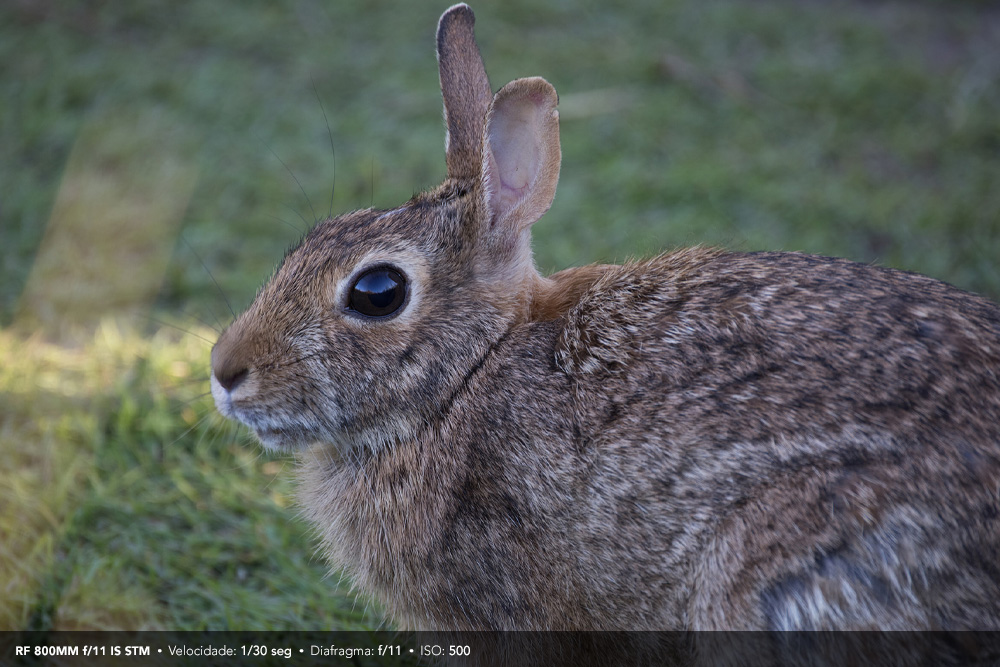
pixel 521 154
pixel 466 91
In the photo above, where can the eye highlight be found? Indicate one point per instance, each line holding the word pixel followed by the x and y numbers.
pixel 378 292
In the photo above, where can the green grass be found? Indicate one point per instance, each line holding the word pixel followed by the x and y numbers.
pixel 132 506
pixel 146 144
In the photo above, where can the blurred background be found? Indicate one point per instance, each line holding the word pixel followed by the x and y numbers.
pixel 157 159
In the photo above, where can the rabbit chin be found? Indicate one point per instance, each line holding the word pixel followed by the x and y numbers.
pixel 283 440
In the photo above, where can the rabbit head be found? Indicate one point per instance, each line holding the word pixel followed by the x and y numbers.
pixel 373 321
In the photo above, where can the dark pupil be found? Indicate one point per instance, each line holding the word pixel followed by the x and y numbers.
pixel 378 293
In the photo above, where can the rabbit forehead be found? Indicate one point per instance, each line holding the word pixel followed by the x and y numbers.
pixel 334 248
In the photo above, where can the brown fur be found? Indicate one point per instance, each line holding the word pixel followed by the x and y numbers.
pixel 552 297
pixel 466 90
pixel 703 440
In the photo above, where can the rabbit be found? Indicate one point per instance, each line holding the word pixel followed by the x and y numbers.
pixel 703 440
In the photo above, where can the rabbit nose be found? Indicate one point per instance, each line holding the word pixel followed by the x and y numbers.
pixel 230 377
pixel 228 363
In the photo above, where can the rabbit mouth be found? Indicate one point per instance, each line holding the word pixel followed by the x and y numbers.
pixel 275 432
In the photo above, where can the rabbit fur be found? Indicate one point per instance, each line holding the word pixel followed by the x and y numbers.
pixel 703 440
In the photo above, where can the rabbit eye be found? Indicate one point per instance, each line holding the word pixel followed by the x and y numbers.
pixel 378 292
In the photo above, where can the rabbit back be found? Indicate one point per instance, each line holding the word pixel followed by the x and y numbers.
pixel 813 442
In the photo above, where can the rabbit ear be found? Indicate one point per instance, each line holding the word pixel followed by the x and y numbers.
pixel 521 154
pixel 465 88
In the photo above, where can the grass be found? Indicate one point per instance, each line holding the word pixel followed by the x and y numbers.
pixel 132 506
pixel 152 150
